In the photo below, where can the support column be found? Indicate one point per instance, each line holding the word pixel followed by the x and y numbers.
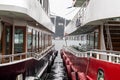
pixel 13 35
pixel 102 42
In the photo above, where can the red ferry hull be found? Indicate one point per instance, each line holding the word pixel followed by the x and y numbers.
pixel 88 68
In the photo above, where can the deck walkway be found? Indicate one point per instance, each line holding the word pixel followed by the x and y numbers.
pixel 58 71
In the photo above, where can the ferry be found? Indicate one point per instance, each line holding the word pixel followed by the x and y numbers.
pixel 26 49
pixel 97 24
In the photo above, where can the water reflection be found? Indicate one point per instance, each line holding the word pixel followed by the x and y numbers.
pixel 58 71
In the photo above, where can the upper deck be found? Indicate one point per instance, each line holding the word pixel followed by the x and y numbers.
pixel 94 13
pixel 29 10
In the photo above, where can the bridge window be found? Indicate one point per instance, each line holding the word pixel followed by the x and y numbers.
pixel 19 40
pixel 91 41
pixel 49 40
pixel 29 38
pixel 1 33
pixel 40 46
pixel 96 40
pixel 43 41
pixel 8 39
pixel 34 40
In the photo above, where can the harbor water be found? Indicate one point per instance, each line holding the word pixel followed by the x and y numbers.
pixel 60 43
pixel 58 71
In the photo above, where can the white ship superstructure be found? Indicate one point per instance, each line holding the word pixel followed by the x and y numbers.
pixel 25 38
pixel 99 23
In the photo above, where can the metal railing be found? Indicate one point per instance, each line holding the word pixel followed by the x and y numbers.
pixel 21 56
pixel 110 56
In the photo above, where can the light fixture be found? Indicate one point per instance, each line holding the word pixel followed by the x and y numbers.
pixel 36 24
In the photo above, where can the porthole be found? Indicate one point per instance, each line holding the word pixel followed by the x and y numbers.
pixel 100 75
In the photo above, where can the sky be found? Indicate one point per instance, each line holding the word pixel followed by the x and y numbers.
pixel 63 8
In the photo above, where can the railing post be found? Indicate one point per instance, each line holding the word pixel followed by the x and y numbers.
pixel 85 54
pixel 82 54
pixel 12 58
pixel 117 59
pixel 110 58
pixel 20 57
pixel 77 54
pixel 97 56
pixel 90 53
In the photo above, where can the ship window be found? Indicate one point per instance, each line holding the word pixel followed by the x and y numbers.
pixel 19 40
pixel 49 40
pixel 46 40
pixel 40 38
pixel 91 41
pixel 8 39
pixel 34 40
pixel 29 38
pixel 43 40
pixel 1 31
pixel 82 38
pixel 96 40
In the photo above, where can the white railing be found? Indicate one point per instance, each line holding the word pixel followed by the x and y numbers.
pixel 111 56
pixel 21 56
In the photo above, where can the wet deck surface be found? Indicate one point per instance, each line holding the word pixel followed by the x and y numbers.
pixel 58 71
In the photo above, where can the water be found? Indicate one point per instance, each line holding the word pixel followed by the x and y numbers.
pixel 58 71
pixel 59 43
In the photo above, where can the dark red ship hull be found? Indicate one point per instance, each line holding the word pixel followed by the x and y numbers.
pixel 26 67
pixel 88 68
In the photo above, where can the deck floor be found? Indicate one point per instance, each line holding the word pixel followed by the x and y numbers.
pixel 58 71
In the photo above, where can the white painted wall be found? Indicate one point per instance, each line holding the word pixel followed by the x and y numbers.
pixel 101 9
pixel 97 10
pixel 71 27
pixel 31 8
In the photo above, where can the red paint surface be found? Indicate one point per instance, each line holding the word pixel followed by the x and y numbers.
pixel 90 67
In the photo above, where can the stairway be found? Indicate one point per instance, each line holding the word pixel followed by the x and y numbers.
pixel 114 32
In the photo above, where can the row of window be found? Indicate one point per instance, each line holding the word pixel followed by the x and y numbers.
pixel 33 40
pixel 37 41
pixel 90 39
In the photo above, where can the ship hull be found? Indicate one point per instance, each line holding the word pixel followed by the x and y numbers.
pixel 28 67
pixel 89 68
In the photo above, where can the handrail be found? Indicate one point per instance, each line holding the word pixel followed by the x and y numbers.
pixel 107 51
pixel 110 56
pixel 19 56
